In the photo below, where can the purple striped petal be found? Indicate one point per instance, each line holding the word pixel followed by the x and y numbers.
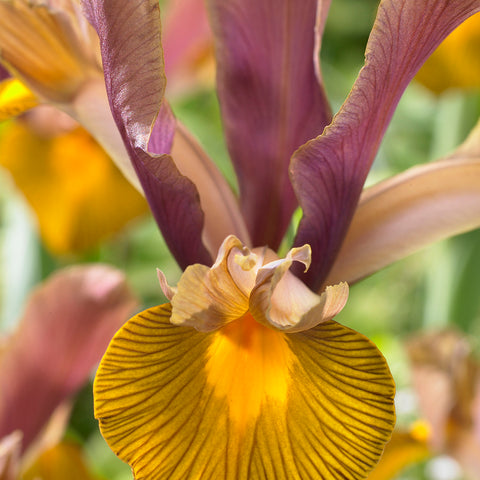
pixel 129 32
pixel 65 330
pixel 407 212
pixel 271 99
pixel 411 210
pixel 328 172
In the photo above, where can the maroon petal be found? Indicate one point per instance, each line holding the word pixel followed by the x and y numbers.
pixel 67 325
pixel 271 100
pixel 408 211
pixel 328 172
pixel 129 32
pixel 4 73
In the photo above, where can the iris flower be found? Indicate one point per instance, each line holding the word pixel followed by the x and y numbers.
pixel 66 177
pixel 244 374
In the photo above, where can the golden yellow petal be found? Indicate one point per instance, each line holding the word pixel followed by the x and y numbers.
pixel 249 366
pixel 69 182
pixel 208 298
pixel 344 384
pixel 403 450
pixel 15 98
pixel 244 402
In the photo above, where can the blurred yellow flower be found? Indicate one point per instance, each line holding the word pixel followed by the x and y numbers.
pixel 15 98
pixel 404 448
pixel 446 379
pixel 69 181
pixel 64 460
pixel 456 63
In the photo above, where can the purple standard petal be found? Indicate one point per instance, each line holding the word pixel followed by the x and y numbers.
pixel 129 32
pixel 64 332
pixel 271 98
pixel 408 211
pixel 328 172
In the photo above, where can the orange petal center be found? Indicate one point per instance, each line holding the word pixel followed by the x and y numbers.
pixel 248 364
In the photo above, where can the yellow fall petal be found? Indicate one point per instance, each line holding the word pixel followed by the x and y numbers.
pixel 15 98
pixel 254 369
pixel 70 182
pixel 243 402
